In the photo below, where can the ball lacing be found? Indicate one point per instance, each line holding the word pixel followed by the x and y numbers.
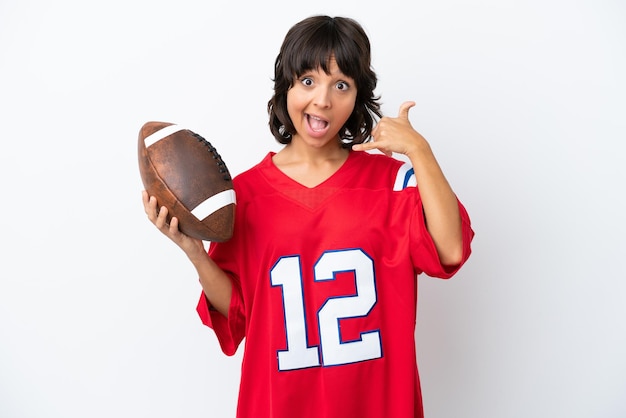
pixel 216 156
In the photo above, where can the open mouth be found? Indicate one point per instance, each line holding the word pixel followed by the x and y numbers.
pixel 316 124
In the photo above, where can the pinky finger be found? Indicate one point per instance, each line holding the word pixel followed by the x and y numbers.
pixel 366 146
pixel 174 225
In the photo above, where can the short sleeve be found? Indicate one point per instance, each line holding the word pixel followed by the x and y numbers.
pixel 423 251
pixel 229 331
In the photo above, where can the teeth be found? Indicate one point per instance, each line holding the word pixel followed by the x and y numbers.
pixel 317 124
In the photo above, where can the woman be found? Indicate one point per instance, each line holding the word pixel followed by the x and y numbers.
pixel 320 276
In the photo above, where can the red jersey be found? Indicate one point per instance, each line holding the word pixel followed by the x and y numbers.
pixel 325 290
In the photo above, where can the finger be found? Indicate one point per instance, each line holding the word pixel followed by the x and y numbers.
pixel 174 225
pixel 161 219
pixel 149 206
pixel 145 198
pixel 404 109
pixel 365 146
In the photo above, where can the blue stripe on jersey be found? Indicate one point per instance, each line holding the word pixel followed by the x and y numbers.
pixel 405 178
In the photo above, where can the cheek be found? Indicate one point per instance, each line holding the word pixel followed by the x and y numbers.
pixel 294 105
pixel 290 111
pixel 348 108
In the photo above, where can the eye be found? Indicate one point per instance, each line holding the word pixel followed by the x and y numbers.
pixel 343 86
pixel 307 81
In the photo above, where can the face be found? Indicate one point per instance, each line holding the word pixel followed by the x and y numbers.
pixel 319 104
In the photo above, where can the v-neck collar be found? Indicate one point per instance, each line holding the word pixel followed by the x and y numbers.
pixel 310 197
pixel 280 178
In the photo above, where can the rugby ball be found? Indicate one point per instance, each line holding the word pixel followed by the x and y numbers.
pixel 187 175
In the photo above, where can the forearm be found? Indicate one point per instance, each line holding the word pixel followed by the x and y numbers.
pixel 440 204
pixel 216 284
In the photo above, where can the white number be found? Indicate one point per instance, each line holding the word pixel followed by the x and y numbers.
pixel 287 274
pixel 334 351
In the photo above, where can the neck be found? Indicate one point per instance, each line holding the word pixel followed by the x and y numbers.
pixel 297 151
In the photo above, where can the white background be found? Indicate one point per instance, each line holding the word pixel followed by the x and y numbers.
pixel 523 103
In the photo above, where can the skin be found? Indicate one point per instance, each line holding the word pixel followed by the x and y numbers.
pixel 319 104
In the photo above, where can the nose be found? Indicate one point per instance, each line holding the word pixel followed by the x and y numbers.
pixel 322 97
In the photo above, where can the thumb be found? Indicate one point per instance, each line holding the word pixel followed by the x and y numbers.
pixel 404 110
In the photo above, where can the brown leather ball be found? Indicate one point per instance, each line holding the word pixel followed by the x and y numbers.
pixel 187 175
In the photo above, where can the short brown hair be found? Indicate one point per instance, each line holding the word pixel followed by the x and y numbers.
pixel 309 45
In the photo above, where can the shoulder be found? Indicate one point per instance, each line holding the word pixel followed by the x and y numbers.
pixel 254 170
pixel 375 160
pixel 396 173
pixel 252 178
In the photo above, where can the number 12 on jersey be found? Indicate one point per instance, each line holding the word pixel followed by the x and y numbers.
pixel 287 274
